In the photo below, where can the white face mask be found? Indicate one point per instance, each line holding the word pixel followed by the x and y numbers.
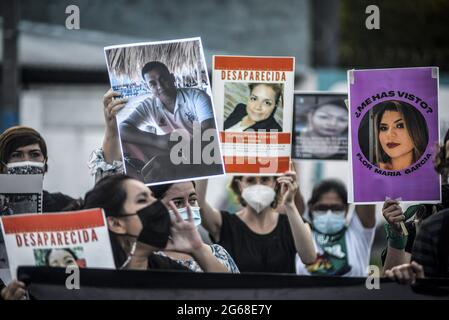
pixel 184 214
pixel 258 197
pixel 26 167
pixel 329 222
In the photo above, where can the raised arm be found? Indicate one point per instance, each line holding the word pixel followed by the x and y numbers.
pixel 302 234
pixel 211 218
pixel 185 238
pixel 111 143
pixel 397 241
pixel 367 215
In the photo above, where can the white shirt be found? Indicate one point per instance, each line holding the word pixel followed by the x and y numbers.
pixel 191 105
pixel 358 247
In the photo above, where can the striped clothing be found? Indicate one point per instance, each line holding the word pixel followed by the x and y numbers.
pixel 431 245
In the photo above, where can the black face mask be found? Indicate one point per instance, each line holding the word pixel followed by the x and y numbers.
pixel 155 220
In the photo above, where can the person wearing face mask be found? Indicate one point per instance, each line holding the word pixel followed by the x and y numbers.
pixel 183 195
pixel 24 151
pixel 343 242
pixel 141 225
pixel 258 237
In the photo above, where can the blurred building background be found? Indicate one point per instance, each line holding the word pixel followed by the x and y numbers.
pixel 62 73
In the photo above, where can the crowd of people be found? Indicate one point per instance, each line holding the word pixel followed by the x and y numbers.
pixel 165 226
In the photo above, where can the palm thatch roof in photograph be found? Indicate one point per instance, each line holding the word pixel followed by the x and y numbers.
pixel 181 58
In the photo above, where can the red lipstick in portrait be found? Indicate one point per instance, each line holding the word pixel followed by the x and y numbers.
pixel 392 145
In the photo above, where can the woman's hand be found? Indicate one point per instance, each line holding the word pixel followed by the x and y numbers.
pixel 110 109
pixel 289 187
pixel 185 237
pixel 392 212
pixel 406 273
pixel 16 290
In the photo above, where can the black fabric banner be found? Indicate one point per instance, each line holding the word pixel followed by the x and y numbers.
pixel 50 283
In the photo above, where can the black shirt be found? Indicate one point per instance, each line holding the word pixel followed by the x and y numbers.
pixel 431 247
pixel 253 252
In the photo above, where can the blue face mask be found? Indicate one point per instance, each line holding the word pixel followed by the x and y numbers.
pixel 329 222
pixel 195 214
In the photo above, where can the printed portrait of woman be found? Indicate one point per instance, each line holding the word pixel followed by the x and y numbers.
pixel 259 110
pixel 59 257
pixel 321 127
pixel 399 135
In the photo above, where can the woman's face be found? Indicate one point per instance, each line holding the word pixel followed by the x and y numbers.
pixel 329 121
pixel 394 136
pixel 182 194
pixel 61 258
pixel 138 196
pixel 261 102
pixel 329 201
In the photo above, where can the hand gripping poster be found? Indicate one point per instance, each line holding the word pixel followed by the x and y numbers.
pixel 394 129
pixel 167 128
pixel 69 239
pixel 254 101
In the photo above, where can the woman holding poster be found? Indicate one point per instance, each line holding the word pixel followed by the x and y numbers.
pixel 140 226
pixel 258 237
pixel 401 135
pixel 258 113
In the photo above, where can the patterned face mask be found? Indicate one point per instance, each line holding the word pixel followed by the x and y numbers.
pixel 26 167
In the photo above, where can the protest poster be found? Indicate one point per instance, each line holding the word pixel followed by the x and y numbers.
pixel 254 101
pixel 75 238
pixel 168 132
pixel 320 126
pixel 394 126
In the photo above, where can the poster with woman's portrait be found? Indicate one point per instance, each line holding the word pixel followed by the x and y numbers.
pixel 69 239
pixel 253 97
pixel 320 126
pixel 394 130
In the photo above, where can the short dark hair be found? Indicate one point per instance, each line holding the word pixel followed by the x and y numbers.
pixel 16 137
pixel 149 66
pixel 159 191
pixel 326 186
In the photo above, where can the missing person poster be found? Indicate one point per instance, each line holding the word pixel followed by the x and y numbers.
pixel 167 128
pixel 394 129
pixel 76 239
pixel 320 126
pixel 254 101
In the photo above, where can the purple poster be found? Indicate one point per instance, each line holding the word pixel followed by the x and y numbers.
pixel 394 129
